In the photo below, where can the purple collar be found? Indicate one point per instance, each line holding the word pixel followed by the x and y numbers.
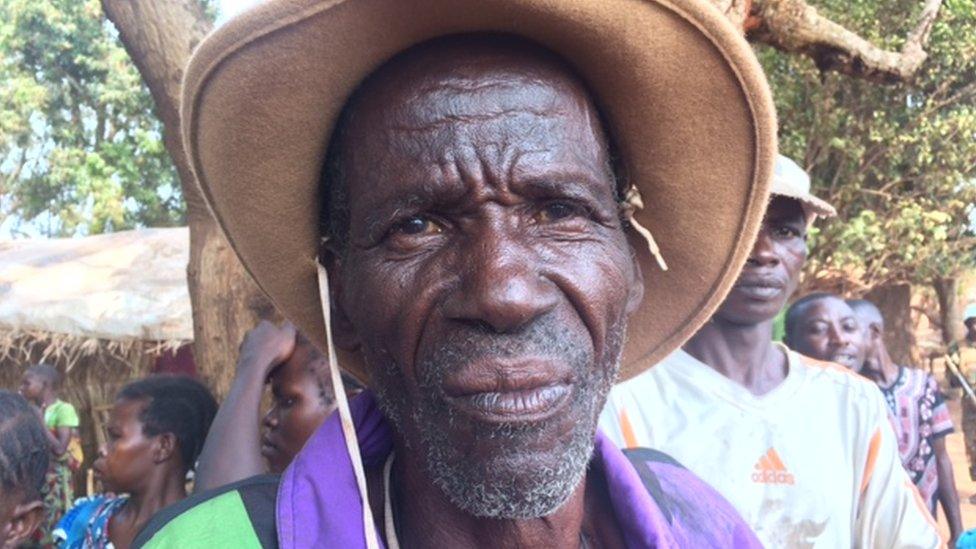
pixel 318 501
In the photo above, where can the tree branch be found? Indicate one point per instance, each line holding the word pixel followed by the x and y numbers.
pixel 796 27
pixel 7 180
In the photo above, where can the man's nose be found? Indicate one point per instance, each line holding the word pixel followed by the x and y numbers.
pixel 763 251
pixel 838 337
pixel 501 285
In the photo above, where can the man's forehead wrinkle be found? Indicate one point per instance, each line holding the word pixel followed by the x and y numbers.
pixel 556 173
pixel 447 119
pixel 487 81
pixel 447 106
pixel 518 128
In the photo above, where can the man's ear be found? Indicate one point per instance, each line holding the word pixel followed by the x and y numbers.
pixel 343 332
pixel 877 335
pixel 25 519
pixel 635 294
pixel 165 447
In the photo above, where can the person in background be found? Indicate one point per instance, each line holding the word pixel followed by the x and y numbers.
pixel 964 354
pixel 803 450
pixel 919 415
pixel 40 385
pixel 301 399
pixel 23 464
pixel 156 430
pixel 823 326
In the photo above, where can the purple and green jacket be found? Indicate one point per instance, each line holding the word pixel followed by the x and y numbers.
pixel 316 502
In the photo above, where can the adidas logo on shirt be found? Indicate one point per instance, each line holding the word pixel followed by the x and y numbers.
pixel 770 470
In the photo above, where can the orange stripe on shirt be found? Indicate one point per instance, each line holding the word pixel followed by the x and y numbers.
pixel 629 439
pixel 872 459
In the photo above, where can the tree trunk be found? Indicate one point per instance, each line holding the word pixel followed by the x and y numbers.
pixel 159 36
pixel 895 303
pixel 950 314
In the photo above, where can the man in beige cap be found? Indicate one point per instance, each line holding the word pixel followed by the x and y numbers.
pixel 802 449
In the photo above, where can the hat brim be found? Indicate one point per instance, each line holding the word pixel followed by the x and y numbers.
pixel 685 99
pixel 812 206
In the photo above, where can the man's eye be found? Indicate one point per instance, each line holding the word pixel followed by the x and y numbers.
pixel 785 231
pixel 555 211
pixel 416 225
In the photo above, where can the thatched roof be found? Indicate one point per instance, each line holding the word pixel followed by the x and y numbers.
pixel 102 294
pixel 100 309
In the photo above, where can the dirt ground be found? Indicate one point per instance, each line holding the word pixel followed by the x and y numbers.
pixel 965 485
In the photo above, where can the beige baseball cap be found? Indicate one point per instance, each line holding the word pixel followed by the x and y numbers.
pixel 791 181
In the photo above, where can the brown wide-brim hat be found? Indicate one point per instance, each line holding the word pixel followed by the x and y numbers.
pixel 684 97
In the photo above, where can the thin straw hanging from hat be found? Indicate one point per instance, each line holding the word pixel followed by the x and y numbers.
pixel 631 203
pixel 345 416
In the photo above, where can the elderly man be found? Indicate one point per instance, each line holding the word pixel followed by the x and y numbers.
pixel 919 415
pixel 483 259
pixel 803 450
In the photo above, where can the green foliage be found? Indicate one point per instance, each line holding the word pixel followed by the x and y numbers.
pixel 899 162
pixel 80 148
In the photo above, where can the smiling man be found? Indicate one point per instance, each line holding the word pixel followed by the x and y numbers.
pixel 803 450
pixel 823 326
pixel 458 208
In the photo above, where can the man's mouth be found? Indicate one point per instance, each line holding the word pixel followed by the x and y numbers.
pixel 845 358
pixel 760 288
pixel 509 394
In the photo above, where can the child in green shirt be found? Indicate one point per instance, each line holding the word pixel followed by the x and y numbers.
pixel 39 386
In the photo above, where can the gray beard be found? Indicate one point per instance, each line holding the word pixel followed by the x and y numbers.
pixel 514 483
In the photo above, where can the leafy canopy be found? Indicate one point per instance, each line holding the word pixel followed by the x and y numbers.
pixel 81 150
pixel 898 162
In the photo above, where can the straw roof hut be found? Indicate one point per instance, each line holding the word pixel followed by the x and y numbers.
pixel 102 309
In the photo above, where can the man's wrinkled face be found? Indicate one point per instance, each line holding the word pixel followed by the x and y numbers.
pixel 829 330
pixel 487 280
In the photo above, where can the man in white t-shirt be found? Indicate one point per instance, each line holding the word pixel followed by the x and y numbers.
pixel 803 449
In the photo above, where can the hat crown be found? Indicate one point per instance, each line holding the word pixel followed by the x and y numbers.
pixel 789 179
